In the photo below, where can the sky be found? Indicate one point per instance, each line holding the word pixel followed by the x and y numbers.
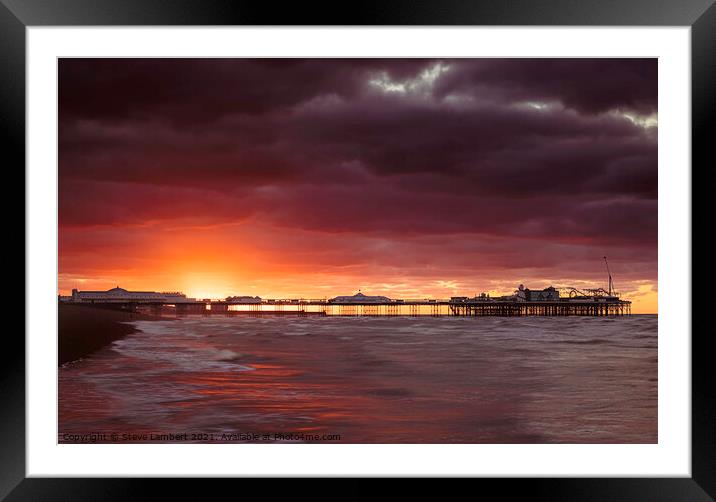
pixel 411 178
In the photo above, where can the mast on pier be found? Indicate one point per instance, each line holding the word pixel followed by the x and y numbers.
pixel 611 284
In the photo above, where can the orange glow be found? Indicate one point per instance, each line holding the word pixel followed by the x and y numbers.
pixel 215 178
pixel 221 261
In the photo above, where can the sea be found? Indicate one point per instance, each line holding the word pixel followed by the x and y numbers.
pixel 346 379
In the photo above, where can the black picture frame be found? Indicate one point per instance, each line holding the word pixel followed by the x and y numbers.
pixel 700 15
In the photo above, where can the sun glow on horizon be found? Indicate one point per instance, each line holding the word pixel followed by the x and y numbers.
pixel 642 294
pixel 362 174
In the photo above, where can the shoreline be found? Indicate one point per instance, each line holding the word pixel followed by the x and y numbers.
pixel 85 329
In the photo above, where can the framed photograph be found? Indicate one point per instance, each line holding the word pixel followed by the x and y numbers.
pixel 422 241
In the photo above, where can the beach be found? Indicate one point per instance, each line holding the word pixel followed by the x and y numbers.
pixel 84 329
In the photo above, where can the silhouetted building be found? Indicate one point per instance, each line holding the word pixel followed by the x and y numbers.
pixel 243 299
pixel 122 295
pixel 360 298
pixel 549 294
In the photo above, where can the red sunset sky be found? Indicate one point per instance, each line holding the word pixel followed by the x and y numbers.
pixel 318 177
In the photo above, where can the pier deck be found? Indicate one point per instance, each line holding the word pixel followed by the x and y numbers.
pixel 468 308
pixel 555 308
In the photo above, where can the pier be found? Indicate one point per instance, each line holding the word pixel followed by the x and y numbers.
pixel 566 308
pixel 410 308
pixel 547 302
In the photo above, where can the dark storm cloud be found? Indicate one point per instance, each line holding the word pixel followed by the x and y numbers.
pixel 588 85
pixel 528 148
pixel 188 90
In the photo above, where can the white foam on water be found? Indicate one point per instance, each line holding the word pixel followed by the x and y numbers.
pixel 178 346
pixel 523 379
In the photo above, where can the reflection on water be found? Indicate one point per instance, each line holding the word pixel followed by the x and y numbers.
pixel 374 380
pixel 388 309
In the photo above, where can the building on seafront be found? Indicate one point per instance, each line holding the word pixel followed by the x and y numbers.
pixel 122 295
pixel 360 298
